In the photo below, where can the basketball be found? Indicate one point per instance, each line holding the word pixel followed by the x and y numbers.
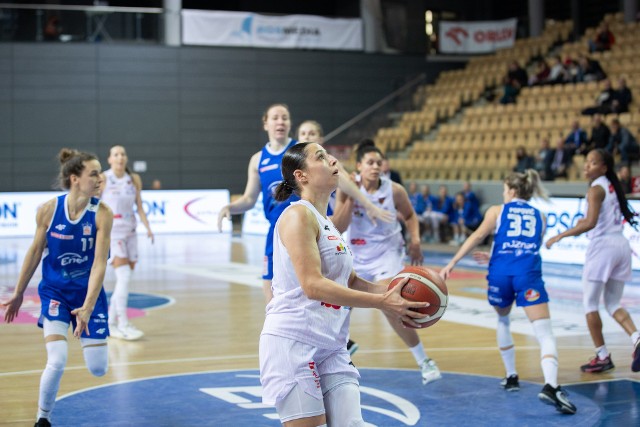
pixel 424 285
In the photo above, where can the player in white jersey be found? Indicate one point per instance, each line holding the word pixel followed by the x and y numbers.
pixel 72 240
pixel 608 259
pixel 379 248
pixel 121 191
pixel 305 369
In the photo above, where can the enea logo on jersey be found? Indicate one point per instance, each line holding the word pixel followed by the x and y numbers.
pixel 72 258
pixel 532 295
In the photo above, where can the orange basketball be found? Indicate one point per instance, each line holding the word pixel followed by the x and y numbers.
pixel 424 285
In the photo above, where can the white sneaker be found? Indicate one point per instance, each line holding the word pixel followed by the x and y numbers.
pixel 430 371
pixel 127 332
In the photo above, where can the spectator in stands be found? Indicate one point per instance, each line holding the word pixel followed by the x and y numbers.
pixel 622 97
pixel 558 73
pixel 603 39
pixel 517 75
pixel 543 160
pixel 430 218
pixel 385 170
pixel 589 70
pixel 624 175
pixel 456 220
pixel 524 160
pixel 600 134
pixel 443 204
pixel 417 201
pixel 470 197
pixel 577 140
pixel 622 141
pixel 469 218
pixel 561 159
pixel 605 102
pixel 509 91
pixel 541 73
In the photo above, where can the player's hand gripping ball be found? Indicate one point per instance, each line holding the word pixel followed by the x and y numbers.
pixel 424 285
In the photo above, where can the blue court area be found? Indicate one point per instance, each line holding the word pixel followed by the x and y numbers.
pixel 390 398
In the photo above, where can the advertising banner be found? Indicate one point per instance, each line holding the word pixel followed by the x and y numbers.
pixel 476 37
pixel 254 221
pixel 213 28
pixel 168 211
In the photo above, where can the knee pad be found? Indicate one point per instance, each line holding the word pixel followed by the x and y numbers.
pixel 342 400
pixel 57 354
pixel 544 334
pixel 612 295
pixel 96 356
pixel 592 289
pixel 503 332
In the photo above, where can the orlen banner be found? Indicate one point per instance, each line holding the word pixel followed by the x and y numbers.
pixel 168 211
pixel 476 37
pixel 563 213
pixel 213 28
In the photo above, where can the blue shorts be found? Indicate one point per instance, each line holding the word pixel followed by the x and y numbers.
pixel 267 269
pixel 526 290
pixel 54 308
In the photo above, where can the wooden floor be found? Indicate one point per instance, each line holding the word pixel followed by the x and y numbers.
pixel 215 314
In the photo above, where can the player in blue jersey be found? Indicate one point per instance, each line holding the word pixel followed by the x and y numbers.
pixel 608 259
pixel 264 174
pixel 74 229
pixel 515 274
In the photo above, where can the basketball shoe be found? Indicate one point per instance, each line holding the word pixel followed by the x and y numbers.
pixel 511 383
pixel 42 422
pixel 352 347
pixel 127 332
pixel 558 398
pixel 597 365
pixel 430 371
pixel 635 365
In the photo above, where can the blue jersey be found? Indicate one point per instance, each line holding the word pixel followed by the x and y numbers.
pixel 270 173
pixel 67 264
pixel 517 241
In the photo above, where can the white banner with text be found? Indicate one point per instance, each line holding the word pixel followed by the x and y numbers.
pixel 246 29
pixel 476 37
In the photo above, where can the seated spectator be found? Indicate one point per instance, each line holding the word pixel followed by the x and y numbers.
pixel 417 201
pixel 560 159
pixel 427 217
pixel 470 197
pixel 600 134
pixel 603 40
pixel 437 213
pixel 456 220
pixel 509 91
pixel 622 141
pixel 558 74
pixel 541 73
pixel 622 97
pixel 517 75
pixel 589 70
pixel 576 141
pixel 386 171
pixel 604 101
pixel 443 204
pixel 624 175
pixel 543 160
pixel 523 160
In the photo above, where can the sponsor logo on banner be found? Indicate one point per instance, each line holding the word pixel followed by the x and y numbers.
pixel 477 37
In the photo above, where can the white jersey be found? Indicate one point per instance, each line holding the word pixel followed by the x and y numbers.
pixel 291 314
pixel 120 195
pixel 370 241
pixel 610 217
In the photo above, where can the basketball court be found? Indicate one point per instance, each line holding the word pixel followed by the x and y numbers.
pixel 198 299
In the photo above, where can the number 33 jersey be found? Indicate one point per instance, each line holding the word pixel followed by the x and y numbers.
pixel 71 249
pixel 517 241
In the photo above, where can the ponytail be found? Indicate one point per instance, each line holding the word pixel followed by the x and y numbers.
pixel 526 184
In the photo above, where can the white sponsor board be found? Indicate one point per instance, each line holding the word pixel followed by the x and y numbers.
pixel 254 221
pixel 476 37
pixel 214 28
pixel 168 211
pixel 563 213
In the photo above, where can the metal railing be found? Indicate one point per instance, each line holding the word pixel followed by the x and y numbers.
pixel 99 23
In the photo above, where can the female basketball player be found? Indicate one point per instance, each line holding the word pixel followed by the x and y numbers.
pixel 264 175
pixel 120 191
pixel 74 229
pixel 378 249
pixel 305 369
pixel 515 274
pixel 608 260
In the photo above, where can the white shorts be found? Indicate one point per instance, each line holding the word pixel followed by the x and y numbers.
pixel 608 257
pixel 385 266
pixel 124 246
pixel 285 363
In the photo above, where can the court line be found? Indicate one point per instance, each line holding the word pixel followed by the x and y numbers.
pixel 255 356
